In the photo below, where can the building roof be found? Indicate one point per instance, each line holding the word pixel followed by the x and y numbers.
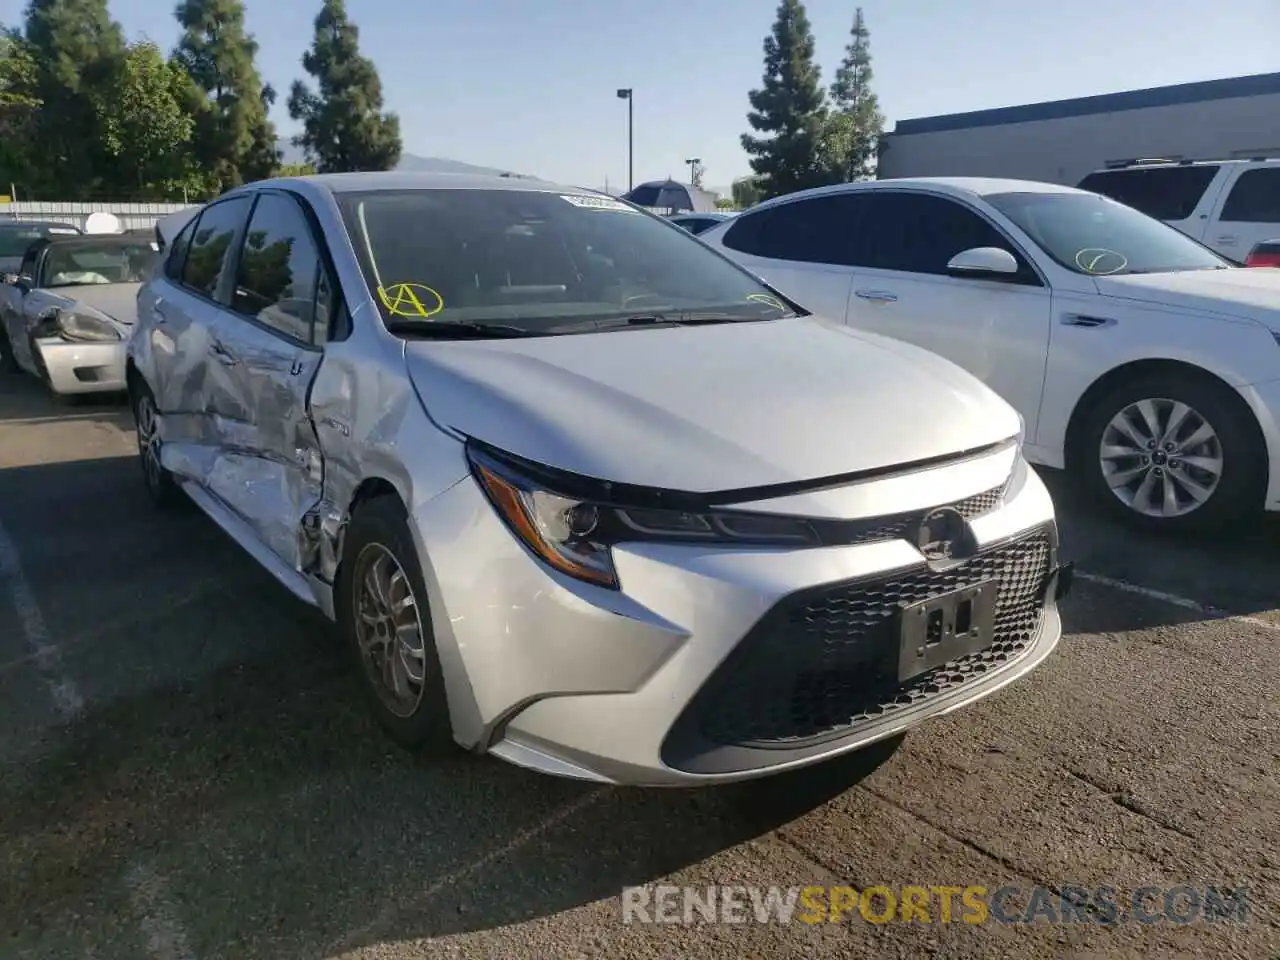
pixel 1257 84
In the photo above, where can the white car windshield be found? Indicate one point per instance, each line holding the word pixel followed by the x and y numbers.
pixel 539 261
pixel 1097 236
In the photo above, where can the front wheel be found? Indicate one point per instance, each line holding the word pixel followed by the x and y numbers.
pixel 1174 454
pixel 382 612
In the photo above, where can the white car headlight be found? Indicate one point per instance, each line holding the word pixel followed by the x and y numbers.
pixel 82 328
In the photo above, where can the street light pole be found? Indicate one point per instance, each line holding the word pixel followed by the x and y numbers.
pixel 626 94
pixel 695 171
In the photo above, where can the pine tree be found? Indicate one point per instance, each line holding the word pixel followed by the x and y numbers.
pixel 344 128
pixel 790 106
pixel 234 138
pixel 855 126
pixel 76 48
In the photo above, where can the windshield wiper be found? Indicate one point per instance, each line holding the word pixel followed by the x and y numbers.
pixel 459 329
pixel 686 318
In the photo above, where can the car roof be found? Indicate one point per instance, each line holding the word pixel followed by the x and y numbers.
pixel 339 183
pixel 119 239
pixel 956 186
pixel 35 224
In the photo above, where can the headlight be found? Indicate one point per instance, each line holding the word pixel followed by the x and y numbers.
pixel 82 328
pixel 575 533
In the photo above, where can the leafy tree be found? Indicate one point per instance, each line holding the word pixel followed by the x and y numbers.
pixel 146 126
pixel 725 203
pixel 343 125
pixel 856 123
pixel 790 106
pixel 76 47
pixel 19 107
pixel 297 170
pixel 234 136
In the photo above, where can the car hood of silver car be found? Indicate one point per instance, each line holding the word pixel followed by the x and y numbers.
pixel 709 408
pixel 114 301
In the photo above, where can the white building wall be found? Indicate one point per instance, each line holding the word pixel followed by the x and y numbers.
pixel 1064 150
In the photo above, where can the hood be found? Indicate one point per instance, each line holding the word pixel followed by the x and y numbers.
pixel 118 301
pixel 704 409
pixel 1251 292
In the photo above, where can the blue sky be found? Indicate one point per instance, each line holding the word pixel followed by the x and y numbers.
pixel 530 86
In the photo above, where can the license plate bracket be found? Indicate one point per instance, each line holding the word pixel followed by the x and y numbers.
pixel 945 628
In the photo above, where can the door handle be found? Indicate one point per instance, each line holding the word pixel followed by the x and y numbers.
pixel 223 354
pixel 1227 241
pixel 158 309
pixel 1081 320
pixel 877 296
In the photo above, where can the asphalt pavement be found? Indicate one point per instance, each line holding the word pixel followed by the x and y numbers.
pixel 187 772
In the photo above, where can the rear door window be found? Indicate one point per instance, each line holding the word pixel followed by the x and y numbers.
pixel 827 230
pixel 1255 198
pixel 1166 193
pixel 210 251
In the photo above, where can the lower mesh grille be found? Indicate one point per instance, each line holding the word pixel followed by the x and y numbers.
pixel 825 660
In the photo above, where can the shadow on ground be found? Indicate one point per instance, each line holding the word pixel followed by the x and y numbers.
pixel 25 398
pixel 280 814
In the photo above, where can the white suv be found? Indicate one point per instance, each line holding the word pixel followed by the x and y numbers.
pixel 1228 205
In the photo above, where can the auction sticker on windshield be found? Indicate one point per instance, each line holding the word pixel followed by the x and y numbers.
pixel 598 203
pixel 411 300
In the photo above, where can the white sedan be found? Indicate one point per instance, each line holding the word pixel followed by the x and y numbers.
pixel 1138 358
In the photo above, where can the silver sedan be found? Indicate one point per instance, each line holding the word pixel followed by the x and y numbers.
pixel 66 316
pixel 580 492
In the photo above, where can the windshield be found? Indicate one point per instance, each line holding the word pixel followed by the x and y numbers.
pixel 540 262
pixel 1097 236
pixel 92 262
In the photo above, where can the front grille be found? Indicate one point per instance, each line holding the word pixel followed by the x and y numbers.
pixel 825 660
pixel 899 526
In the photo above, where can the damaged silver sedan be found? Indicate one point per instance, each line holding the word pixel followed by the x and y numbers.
pixel 580 492
pixel 66 315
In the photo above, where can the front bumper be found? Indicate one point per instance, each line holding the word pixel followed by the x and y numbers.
pixel 74 368
pixel 628 686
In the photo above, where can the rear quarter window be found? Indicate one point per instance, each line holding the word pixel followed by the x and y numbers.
pixel 1166 193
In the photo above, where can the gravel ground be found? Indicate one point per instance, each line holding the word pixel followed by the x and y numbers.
pixel 188 774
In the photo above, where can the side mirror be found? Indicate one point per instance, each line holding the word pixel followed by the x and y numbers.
pixel 23 283
pixel 989 263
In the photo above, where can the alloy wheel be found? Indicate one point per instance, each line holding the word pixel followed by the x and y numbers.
pixel 149 441
pixel 1161 458
pixel 388 628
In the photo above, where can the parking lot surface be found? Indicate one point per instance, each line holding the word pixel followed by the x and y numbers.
pixel 188 772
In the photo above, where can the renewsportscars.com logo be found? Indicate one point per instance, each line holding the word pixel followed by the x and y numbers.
pixel 971 904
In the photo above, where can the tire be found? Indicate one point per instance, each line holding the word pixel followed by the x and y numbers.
pixel 1231 450
pixel 161 486
pixel 377 542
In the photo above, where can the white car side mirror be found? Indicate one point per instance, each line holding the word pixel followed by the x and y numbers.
pixel 991 262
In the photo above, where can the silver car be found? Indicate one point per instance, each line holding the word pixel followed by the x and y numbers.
pixel 67 314
pixel 580 492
